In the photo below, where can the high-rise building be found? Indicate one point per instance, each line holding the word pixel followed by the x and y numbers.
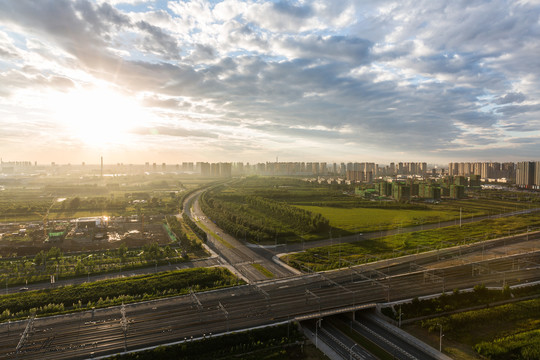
pixel 525 174
pixel 205 168
pixel 401 192
pixel 537 175
pixel 457 191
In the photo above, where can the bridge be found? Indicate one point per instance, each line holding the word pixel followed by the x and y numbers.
pixel 107 331
pixel 289 297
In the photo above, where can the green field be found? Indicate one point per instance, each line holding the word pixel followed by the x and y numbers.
pixel 509 331
pixel 365 219
pixel 266 210
pixel 369 219
pixel 335 256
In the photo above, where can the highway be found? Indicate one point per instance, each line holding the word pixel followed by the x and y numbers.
pixel 208 262
pixel 233 252
pixel 340 343
pixel 285 297
pixel 392 344
pixel 302 297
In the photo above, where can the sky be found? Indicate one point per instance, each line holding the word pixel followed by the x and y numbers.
pixel 141 81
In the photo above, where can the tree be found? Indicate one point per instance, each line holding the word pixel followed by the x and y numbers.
pixel 79 268
pixel 75 203
pixel 55 254
pixel 40 258
pixel 122 252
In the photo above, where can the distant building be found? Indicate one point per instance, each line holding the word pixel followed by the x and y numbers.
pixel 385 188
pixel 225 169
pixel 457 191
pixel 525 174
pixel 401 192
pixel 428 191
pixel 92 222
pixel 460 180
pixel 474 181
pixel 205 168
pixel 537 175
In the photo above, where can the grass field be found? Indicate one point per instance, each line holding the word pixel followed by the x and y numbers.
pixel 364 219
pixel 509 331
pixel 331 257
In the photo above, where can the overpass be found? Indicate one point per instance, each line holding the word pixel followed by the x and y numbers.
pixel 289 297
pixel 105 331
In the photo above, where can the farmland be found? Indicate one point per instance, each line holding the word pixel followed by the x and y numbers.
pixel 368 219
pixel 338 255
pixel 263 210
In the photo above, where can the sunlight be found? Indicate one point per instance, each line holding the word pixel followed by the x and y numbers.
pixel 99 116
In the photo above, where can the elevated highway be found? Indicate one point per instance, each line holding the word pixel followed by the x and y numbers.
pixel 287 297
pixel 87 334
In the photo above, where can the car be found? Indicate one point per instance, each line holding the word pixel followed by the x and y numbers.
pixel 23 289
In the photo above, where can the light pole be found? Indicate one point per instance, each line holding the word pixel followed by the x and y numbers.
pixel 350 350
pixel 440 337
pixel 317 325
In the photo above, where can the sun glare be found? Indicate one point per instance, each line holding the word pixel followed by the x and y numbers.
pixel 100 116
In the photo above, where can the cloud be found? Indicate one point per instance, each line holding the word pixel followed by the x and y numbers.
pixel 341 48
pixel 413 77
pixel 510 98
pixel 159 41
pixel 176 132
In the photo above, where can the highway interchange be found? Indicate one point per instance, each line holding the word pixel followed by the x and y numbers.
pixel 287 297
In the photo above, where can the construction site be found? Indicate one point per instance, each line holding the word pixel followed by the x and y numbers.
pixel 81 234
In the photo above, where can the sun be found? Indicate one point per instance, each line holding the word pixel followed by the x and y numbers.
pixel 99 116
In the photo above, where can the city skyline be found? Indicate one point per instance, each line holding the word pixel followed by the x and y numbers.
pixel 251 81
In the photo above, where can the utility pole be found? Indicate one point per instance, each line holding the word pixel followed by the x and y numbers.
pixel 226 314
pixel 317 325
pixel 29 328
pixel 440 337
pixel 124 324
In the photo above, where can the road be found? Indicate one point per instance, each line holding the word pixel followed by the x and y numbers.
pixel 284 297
pixel 307 296
pixel 340 343
pixel 244 260
pixel 392 344
pixel 208 262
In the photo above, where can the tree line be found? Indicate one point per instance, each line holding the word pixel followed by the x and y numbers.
pixel 260 219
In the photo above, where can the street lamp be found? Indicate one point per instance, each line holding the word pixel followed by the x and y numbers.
pixel 317 325
pixel 440 337
pixel 350 350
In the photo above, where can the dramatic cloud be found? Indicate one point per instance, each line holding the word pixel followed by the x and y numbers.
pixel 231 80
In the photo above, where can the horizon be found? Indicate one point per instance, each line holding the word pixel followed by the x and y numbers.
pixel 160 163
pixel 231 80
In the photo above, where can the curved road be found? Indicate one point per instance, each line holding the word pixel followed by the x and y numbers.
pixel 86 334
pixel 252 263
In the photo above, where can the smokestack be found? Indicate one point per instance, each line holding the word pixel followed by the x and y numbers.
pixel 102 167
